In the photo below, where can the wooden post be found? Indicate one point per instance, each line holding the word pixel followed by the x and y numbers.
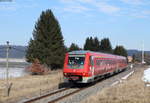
pixel 7 71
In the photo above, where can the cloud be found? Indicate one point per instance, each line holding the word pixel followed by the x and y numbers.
pixel 13 6
pixel 73 1
pixel 146 12
pixel 67 1
pixel 90 6
pixel 134 2
pixel 107 8
pixel 6 8
pixel 77 6
pixel 9 6
pixel 76 9
pixel 141 14
pixel 87 1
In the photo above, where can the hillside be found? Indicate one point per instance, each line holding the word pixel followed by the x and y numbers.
pixel 134 51
pixel 15 51
pixel 20 51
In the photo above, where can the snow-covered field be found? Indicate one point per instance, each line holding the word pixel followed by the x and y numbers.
pixel 13 60
pixel 146 76
pixel 123 78
pixel 13 72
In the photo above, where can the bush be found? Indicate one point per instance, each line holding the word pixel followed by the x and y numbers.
pixel 36 68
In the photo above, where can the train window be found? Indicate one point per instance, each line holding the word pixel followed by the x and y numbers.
pixel 98 62
pixel 76 62
pixel 102 62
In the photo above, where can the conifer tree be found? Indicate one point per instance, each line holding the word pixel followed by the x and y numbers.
pixel 92 44
pixel 120 50
pixel 87 44
pixel 29 51
pixel 105 45
pixel 96 43
pixel 47 44
pixel 73 47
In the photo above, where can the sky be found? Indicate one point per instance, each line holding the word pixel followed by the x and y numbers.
pixel 124 22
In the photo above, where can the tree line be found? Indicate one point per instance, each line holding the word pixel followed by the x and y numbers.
pixel 47 43
pixel 94 44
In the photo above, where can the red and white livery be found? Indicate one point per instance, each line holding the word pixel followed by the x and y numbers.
pixel 87 66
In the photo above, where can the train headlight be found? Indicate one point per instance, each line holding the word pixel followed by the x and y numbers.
pixel 65 74
pixel 84 74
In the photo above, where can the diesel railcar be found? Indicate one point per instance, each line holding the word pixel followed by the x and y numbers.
pixel 87 66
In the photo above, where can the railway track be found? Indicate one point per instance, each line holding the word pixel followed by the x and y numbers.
pixel 63 93
pixel 67 95
pixel 47 95
pixel 73 91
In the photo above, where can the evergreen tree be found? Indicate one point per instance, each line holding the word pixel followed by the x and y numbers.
pixel 105 45
pixel 120 50
pixel 87 44
pixel 92 44
pixel 96 45
pixel 47 44
pixel 74 47
pixel 30 50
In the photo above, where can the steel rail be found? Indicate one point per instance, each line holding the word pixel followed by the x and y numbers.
pixel 67 95
pixel 44 96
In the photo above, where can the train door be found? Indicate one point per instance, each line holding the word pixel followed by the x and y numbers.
pixel 92 69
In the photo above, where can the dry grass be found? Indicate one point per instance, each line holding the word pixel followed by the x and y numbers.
pixel 26 87
pixel 132 90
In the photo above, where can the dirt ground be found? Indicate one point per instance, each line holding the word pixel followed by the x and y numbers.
pixel 29 86
pixel 132 90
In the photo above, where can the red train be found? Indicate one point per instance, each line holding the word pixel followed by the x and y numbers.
pixel 87 66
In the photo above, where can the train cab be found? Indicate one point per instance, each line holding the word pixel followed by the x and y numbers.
pixel 76 67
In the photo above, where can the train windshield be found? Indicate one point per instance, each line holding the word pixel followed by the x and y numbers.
pixel 76 61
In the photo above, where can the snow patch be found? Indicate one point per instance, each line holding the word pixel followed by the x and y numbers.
pixel 120 81
pixel 146 76
pixel 116 82
pixel 125 77
pixel 148 85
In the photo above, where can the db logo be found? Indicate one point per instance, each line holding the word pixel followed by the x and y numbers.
pixel 74 70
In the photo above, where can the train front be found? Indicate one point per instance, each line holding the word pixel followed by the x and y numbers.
pixel 76 67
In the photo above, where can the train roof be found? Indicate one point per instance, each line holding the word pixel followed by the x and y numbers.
pixel 79 52
pixel 87 51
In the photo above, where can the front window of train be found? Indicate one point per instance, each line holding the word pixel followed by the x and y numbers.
pixel 76 62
